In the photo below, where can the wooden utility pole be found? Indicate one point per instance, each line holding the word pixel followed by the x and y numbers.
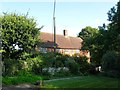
pixel 54 24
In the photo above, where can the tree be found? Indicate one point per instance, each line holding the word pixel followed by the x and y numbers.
pixel 87 32
pixel 19 34
pixel 114 28
pixel 110 59
pixel 92 39
pixel 107 38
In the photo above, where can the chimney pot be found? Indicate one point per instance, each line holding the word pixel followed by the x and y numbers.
pixel 65 33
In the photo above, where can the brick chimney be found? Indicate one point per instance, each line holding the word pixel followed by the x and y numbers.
pixel 65 33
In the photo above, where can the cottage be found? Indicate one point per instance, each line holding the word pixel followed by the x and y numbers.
pixel 64 44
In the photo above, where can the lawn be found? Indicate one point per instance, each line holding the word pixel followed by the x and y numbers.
pixel 20 79
pixel 84 82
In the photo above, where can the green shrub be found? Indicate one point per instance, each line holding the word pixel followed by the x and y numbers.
pixel 62 74
pixel 84 66
pixel 10 67
pixel 111 73
pixel 36 64
pixel 48 59
pixel 23 73
pixel 31 65
pixel 46 73
pixel 54 60
pixel 111 63
pixel 73 66
pixel 60 60
pixel 92 69
pixel 27 62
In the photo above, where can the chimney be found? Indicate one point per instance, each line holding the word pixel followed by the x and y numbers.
pixel 65 33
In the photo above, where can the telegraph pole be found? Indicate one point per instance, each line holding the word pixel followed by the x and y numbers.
pixel 54 25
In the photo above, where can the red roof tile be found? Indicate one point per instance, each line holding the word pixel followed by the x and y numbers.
pixel 61 41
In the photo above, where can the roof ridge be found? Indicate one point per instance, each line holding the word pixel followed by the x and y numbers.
pixel 61 35
pixel 61 40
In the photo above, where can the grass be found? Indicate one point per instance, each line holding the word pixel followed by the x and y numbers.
pixel 78 82
pixel 20 79
pixel 30 78
pixel 84 82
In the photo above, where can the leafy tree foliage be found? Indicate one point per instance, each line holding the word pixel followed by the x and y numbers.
pixel 105 39
pixel 19 34
pixel 112 43
pixel 114 27
pixel 91 42
pixel 87 32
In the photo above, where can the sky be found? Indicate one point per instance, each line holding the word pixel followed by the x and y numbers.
pixel 72 16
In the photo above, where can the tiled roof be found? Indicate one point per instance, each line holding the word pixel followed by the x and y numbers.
pixel 62 41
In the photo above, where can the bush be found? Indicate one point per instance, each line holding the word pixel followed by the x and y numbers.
pixel 112 73
pixel 36 64
pixel 62 59
pixel 31 65
pixel 111 63
pixel 23 73
pixel 73 67
pixel 83 63
pixel 62 73
pixel 46 73
pixel 92 69
pixel 10 67
pixel 13 67
pixel 48 59
pixel 54 60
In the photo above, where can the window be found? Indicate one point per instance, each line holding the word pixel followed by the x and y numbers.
pixel 43 50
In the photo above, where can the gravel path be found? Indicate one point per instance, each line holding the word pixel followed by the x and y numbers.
pixel 19 87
